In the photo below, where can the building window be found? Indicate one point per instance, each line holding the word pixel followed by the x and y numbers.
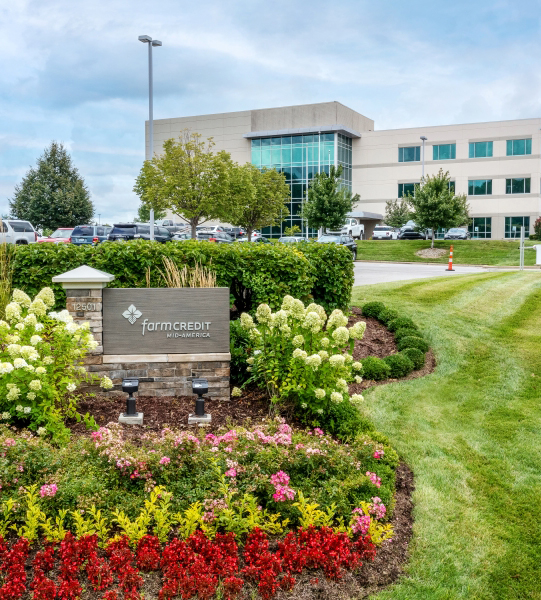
pixel 517 147
pixel 444 151
pixel 513 225
pixel 480 149
pixel 409 154
pixel 406 189
pixel 479 187
pixel 452 187
pixel 518 185
pixel 481 228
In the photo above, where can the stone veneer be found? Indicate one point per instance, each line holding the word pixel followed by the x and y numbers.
pixel 158 374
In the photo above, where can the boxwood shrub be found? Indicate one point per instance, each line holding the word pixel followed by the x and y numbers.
pixel 406 332
pixel 375 369
pixel 255 273
pixel 400 323
pixel 416 356
pixel 373 309
pixel 413 342
pixel 399 364
pixel 387 315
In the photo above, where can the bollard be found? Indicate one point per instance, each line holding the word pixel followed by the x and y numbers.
pixel 450 267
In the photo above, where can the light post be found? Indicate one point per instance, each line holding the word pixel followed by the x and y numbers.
pixel 99 218
pixel 146 39
pixel 424 140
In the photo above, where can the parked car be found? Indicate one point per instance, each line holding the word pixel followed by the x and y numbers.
pixel 384 232
pixel 179 237
pixel 457 233
pixel 235 232
pixel 220 237
pixel 13 231
pixel 410 231
pixel 353 228
pixel 133 231
pixel 341 240
pixel 261 239
pixel 212 229
pixel 291 239
pixel 174 229
pixel 61 236
pixel 89 234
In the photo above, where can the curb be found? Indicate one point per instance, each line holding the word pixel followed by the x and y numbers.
pixel 418 262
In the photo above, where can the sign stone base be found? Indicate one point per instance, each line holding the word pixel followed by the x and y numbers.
pixel 136 419
pixel 195 420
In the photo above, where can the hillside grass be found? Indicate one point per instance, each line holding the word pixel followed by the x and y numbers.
pixel 471 432
pixel 468 252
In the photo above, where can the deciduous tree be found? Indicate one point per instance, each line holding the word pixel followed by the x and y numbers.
pixel 397 212
pixel 435 204
pixel 53 194
pixel 328 200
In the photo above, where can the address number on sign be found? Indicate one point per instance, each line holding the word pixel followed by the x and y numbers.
pixel 90 306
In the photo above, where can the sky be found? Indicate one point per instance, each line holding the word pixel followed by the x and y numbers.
pixel 74 71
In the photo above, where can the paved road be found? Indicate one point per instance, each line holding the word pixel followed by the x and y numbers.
pixel 367 273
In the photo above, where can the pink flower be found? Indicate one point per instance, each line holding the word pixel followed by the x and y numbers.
pixel 318 431
pixel 48 490
pixel 279 478
pixel 299 446
pixel 374 479
pixel 361 524
pixel 228 449
pixel 231 473
pixel 165 460
pixel 283 493
pixel 377 508
pixel 378 454
pixel 9 442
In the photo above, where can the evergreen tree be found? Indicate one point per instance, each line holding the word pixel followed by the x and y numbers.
pixel 328 200
pixel 143 214
pixel 53 194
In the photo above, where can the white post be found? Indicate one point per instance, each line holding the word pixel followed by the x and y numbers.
pixel 522 248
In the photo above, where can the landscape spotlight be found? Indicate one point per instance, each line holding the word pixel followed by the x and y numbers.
pixel 131 416
pixel 200 387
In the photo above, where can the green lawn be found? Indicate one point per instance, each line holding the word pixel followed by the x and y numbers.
pixel 472 252
pixel 471 432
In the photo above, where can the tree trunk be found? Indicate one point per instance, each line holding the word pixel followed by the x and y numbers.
pixel 433 234
pixel 193 223
pixel 249 233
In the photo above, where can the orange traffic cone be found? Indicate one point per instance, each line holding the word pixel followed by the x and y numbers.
pixel 450 267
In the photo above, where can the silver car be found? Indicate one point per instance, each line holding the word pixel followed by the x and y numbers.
pixel 13 231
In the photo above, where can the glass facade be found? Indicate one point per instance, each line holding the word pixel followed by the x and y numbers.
pixel 406 189
pixel 481 228
pixel 300 157
pixel 513 225
pixel 480 149
pixel 410 154
pixel 444 151
pixel 518 185
pixel 479 187
pixel 517 147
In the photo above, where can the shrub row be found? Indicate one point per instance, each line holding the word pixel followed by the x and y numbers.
pixel 255 273
pixel 409 340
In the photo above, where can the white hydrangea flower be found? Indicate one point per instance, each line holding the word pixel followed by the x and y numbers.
pixel 324 354
pixel 71 327
pixel 48 360
pixel 279 318
pixel 250 360
pixel 30 368
pixel 337 360
pixel 38 308
pixel 31 396
pixel 13 349
pixel 320 393
pixel 312 322
pixel 318 309
pixel 3 324
pixel 20 363
pixel 30 320
pixel 246 321
pixel 341 336
pixel 106 383
pixel 287 302
pixel 39 326
pixel 92 344
pixel 358 379
pixel 297 308
pixel 336 397
pixel 21 298
pixel 263 313
pixel 337 319
pixel 35 340
pixel 313 361
pixel 256 352
pixel 41 371
pixel 348 358
pixel 5 367
pixel 47 296
pixel 285 329
pixel 357 330
pixel 357 366
pixel 324 342
pixel 304 405
pixel 13 311
pixel 64 316
pixel 342 384
pixel 35 385
pixel 319 411
pixel 357 399
pixel 41 431
pixel 6 416
pixel 19 326
pixel 19 408
pixel 236 392
pixel 249 369
pixel 27 410
pixel 297 341
pixel 71 387
pixel 298 353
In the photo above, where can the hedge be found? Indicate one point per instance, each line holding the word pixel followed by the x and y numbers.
pixel 413 342
pixel 399 364
pixel 255 273
pixel 401 322
pixel 372 309
pixel 375 369
pixel 416 356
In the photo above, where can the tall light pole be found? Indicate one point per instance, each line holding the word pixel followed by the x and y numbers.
pixel 146 39
pixel 424 140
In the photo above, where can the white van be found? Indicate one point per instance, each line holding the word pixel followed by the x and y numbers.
pixel 13 231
